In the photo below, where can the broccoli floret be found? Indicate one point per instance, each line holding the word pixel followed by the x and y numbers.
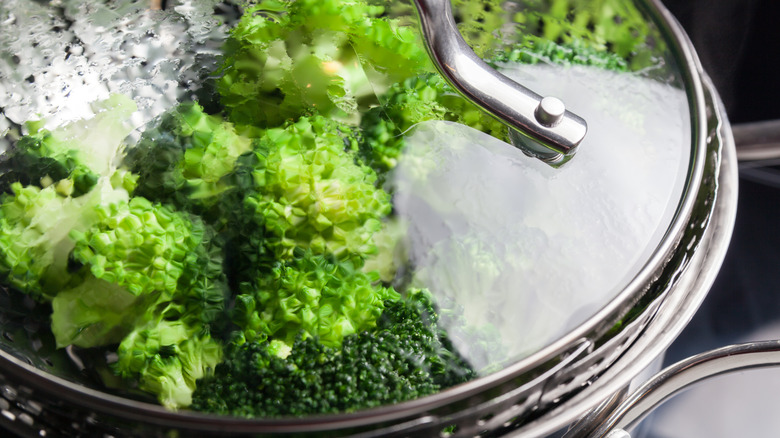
pixel 184 158
pixel 313 295
pixel 114 268
pixel 152 281
pixel 404 358
pixel 307 191
pixel 137 258
pixel 81 151
pixel 167 358
pixel 65 173
pixel 34 247
pixel 286 58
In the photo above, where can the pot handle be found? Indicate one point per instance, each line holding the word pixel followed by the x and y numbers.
pixel 757 141
pixel 674 379
pixel 541 127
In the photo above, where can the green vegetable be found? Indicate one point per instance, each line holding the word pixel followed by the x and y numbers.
pixel 64 173
pixel 415 100
pixel 312 295
pixel 407 356
pixel 185 157
pixel 168 357
pixel 616 26
pixel 308 191
pixel 429 97
pixel 111 265
pixel 137 258
pixel 576 52
pixel 34 248
pixel 286 58
pixel 81 151
pixel 153 282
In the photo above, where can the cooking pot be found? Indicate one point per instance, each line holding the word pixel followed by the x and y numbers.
pixel 578 370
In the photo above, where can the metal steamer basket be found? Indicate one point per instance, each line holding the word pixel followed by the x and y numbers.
pixel 573 383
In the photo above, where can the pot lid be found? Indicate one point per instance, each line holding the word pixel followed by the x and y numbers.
pixel 515 253
pixel 529 251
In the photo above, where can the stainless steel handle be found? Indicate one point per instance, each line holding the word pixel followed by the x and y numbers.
pixel 540 126
pixel 678 377
pixel 757 141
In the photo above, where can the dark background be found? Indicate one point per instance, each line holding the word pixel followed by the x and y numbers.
pixel 738 42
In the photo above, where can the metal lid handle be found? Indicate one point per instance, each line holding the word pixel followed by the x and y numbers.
pixel 540 126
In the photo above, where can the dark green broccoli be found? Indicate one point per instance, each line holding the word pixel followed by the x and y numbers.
pixel 576 52
pixel 406 357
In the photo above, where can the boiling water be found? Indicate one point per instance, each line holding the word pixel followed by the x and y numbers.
pixel 531 250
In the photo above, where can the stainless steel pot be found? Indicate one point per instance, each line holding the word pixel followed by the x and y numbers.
pixel 583 372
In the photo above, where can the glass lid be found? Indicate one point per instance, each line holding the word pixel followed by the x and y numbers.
pixel 280 208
